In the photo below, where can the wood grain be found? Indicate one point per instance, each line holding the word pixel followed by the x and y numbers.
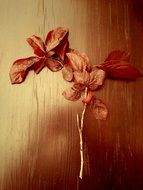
pixel 39 143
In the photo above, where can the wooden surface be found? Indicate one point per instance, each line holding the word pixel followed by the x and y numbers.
pixel 39 143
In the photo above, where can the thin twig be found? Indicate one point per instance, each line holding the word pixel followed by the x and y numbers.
pixel 81 147
pixel 80 126
pixel 78 123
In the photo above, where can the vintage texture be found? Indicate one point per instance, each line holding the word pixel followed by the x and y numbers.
pixel 38 151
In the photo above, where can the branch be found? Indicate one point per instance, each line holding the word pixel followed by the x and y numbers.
pixel 80 125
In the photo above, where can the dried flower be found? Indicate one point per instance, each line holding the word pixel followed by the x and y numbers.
pixel 49 53
pixel 77 68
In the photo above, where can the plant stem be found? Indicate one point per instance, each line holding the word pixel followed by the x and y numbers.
pixel 80 125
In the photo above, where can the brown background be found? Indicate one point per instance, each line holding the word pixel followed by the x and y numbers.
pixel 39 143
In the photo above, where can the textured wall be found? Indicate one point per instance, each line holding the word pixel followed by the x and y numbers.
pixel 39 143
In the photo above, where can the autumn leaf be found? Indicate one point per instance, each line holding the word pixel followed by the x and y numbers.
pixel 120 70
pixel 81 77
pixel 62 48
pixel 77 71
pixel 38 66
pixel 87 64
pixel 67 73
pixel 118 55
pixel 54 37
pixel 79 61
pixel 20 68
pixel 97 78
pixel 50 54
pixel 98 108
pixel 53 64
pixel 75 61
pixel 71 94
pixel 38 45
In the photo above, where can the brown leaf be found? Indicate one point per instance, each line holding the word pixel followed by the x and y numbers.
pixel 62 48
pixel 98 109
pixel 71 94
pixel 37 44
pixel 120 70
pixel 87 64
pixel 67 73
pixel 81 77
pixel 53 64
pixel 20 68
pixel 54 37
pixel 97 78
pixel 79 61
pixel 38 66
pixel 118 55
pixel 75 61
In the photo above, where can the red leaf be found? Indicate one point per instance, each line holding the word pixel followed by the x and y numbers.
pixel 53 64
pixel 98 109
pixel 62 48
pixel 118 55
pixel 97 78
pixel 71 94
pixel 120 70
pixel 20 68
pixel 38 66
pixel 79 61
pixel 54 37
pixel 75 61
pixel 67 73
pixel 81 77
pixel 87 64
pixel 88 98
pixel 37 44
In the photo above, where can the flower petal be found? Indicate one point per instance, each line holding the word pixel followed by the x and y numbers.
pixel 67 73
pixel 79 61
pixel 53 64
pixel 20 68
pixel 98 109
pixel 81 77
pixel 54 37
pixel 71 94
pixel 120 70
pixel 37 44
pixel 118 55
pixel 97 78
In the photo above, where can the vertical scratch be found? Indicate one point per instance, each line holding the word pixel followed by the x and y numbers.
pixel 110 25
pixel 126 26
